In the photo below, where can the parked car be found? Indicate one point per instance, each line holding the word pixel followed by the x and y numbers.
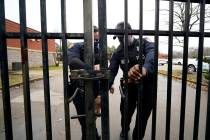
pixel 177 61
pixel 193 65
pixel 162 62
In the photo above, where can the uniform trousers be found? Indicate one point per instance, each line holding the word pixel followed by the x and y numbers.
pixel 132 105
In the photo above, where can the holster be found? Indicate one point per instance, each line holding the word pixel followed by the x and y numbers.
pixel 73 85
pixel 122 88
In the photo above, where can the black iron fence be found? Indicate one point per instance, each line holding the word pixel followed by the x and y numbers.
pixel 23 35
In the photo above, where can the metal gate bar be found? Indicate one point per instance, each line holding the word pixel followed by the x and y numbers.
pixel 104 66
pixel 25 70
pixel 169 79
pixel 140 61
pixel 125 72
pixel 199 69
pixel 184 71
pixel 154 98
pixel 45 69
pixel 65 70
pixel 109 32
pixel 23 35
pixel 161 33
pixel 207 136
pixel 88 57
pixel 5 75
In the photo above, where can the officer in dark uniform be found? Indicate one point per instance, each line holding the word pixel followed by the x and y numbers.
pixel 76 61
pixel 134 74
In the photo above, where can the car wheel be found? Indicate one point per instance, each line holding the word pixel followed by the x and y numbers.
pixel 191 68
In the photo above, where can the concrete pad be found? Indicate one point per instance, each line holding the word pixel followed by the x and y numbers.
pixel 57 112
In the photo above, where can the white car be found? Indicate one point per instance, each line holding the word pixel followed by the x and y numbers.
pixel 193 65
pixel 177 61
pixel 162 62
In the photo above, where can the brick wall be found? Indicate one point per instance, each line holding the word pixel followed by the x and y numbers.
pixel 34 47
pixel 34 57
pixel 33 44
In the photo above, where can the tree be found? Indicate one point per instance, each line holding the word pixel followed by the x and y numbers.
pixel 177 54
pixel 193 52
pixel 59 55
pixel 110 51
pixel 194 17
pixel 59 51
pixel 58 47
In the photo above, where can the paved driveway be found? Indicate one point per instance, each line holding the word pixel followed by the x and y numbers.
pixel 57 108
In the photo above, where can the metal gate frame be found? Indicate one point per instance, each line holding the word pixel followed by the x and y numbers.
pixel 87 36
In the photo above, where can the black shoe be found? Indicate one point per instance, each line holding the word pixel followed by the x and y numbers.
pixel 98 138
pixel 122 136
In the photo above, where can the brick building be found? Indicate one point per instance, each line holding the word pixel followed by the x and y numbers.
pixel 34 48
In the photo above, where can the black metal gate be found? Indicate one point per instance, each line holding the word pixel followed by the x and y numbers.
pixel 23 35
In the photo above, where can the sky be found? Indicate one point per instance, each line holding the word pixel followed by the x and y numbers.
pixel 115 14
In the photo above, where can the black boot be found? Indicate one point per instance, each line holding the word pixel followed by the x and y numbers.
pixel 122 136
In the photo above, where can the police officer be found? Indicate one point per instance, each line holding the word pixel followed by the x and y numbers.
pixel 134 74
pixel 76 61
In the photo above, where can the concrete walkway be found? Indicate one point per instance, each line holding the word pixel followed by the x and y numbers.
pixel 57 109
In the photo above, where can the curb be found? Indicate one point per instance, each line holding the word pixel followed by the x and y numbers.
pixel 189 82
pixel 175 77
pixel 21 83
pixel 35 78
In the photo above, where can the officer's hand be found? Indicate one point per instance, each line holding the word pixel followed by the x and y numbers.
pixel 98 104
pixel 144 71
pixel 130 80
pixel 134 72
pixel 97 67
pixel 111 90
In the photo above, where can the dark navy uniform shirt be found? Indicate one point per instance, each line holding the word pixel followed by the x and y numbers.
pixel 117 58
pixel 76 56
pixel 76 61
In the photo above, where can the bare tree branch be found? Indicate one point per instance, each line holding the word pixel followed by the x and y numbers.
pixel 179 40
pixel 194 17
pixel 194 22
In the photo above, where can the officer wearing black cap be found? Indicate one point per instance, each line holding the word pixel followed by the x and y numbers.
pixel 76 61
pixel 134 74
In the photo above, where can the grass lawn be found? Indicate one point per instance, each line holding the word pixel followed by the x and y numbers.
pixel 191 77
pixel 15 78
pixel 50 68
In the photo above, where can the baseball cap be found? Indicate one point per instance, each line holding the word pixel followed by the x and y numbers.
pixel 120 26
pixel 95 28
